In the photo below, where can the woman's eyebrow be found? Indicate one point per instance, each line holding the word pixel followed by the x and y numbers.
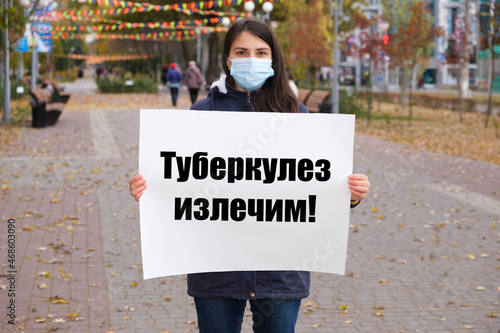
pixel 246 49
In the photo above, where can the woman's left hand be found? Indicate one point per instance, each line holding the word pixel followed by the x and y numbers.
pixel 359 186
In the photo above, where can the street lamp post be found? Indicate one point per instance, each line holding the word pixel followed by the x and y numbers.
pixel 34 58
pixel 267 8
pixel 198 45
pixel 335 83
pixel 6 91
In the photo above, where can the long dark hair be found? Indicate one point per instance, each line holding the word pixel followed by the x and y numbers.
pixel 276 94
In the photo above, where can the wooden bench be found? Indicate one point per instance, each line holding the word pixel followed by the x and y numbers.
pixel 316 99
pixel 43 111
pixel 58 95
pixel 303 94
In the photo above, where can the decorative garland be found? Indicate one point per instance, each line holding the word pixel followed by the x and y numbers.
pixel 183 25
pixel 196 22
pixel 157 36
pixel 145 6
pixel 54 15
pixel 106 57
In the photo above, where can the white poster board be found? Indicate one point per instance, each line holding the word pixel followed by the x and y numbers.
pixel 237 191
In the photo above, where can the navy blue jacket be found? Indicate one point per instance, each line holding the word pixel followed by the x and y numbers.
pixel 174 76
pixel 274 285
pixel 223 97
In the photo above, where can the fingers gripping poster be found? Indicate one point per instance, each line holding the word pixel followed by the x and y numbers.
pixel 238 191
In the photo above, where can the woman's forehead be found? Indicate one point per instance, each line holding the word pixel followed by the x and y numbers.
pixel 246 40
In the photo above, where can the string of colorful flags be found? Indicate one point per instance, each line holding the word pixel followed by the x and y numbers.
pixel 156 36
pixel 145 6
pixel 97 59
pixel 185 30
pixel 57 15
pixel 198 25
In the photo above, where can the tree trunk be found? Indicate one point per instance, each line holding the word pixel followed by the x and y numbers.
pixel 464 59
pixel 213 70
pixel 404 86
pixel 410 114
pixel 491 62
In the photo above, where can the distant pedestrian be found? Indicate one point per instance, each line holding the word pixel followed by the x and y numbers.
pixel 421 82
pixel 164 72
pixel 174 80
pixel 193 79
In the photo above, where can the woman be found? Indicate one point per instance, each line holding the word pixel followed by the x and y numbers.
pixel 174 79
pixel 255 80
pixel 193 80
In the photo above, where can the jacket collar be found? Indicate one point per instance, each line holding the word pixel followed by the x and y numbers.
pixel 221 84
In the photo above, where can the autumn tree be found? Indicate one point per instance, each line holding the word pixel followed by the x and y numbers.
pixel 304 37
pixel 412 44
pixel 370 45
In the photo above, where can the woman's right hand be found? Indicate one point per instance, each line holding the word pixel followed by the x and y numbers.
pixel 137 185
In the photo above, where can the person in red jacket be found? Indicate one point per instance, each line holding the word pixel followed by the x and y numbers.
pixel 174 80
pixel 255 80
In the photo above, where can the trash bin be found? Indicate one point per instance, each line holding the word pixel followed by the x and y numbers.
pixel 38 115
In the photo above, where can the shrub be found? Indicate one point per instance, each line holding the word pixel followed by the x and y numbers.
pixel 118 85
pixel 350 102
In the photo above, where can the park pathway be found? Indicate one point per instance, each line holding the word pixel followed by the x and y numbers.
pixel 423 253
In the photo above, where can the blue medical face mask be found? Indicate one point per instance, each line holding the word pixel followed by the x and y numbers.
pixel 251 73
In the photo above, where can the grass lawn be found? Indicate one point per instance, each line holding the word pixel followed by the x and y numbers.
pixel 20 113
pixel 436 130
pixel 430 129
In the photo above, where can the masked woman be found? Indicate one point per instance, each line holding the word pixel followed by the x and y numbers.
pixel 255 80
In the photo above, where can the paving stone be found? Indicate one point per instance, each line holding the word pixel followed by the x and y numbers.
pixel 422 258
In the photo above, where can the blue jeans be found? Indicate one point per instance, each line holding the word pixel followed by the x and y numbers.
pixel 175 95
pixel 226 315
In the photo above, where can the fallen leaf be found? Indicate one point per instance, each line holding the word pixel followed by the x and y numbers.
pixel 57 300
pixel 348 321
pixel 306 310
pixel 343 307
pixel 39 320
